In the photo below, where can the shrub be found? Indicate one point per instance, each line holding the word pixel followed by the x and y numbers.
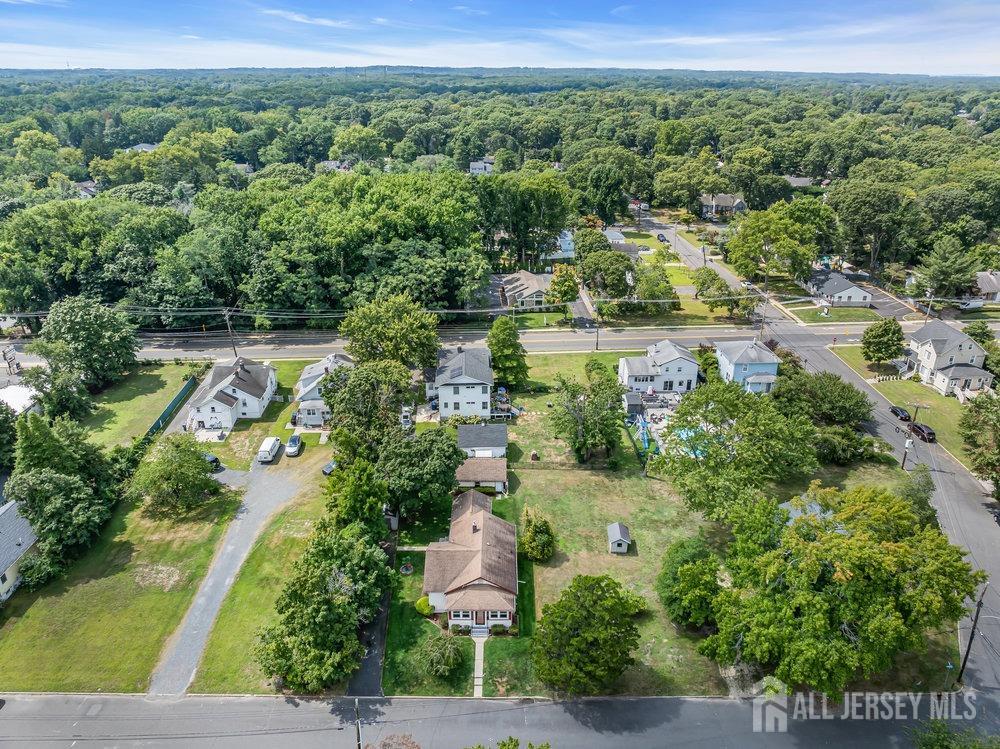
pixel 844 446
pixel 423 606
pixel 38 569
pixel 513 631
pixel 458 629
pixel 441 654
pixel 687 582
pixel 498 629
pixel 537 540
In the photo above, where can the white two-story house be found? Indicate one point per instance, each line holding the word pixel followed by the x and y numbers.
pixel 239 390
pixel 16 539
pixel 462 383
pixel 666 367
pixel 313 411
pixel 749 363
pixel 947 359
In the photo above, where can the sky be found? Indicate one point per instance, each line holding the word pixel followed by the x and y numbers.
pixel 919 36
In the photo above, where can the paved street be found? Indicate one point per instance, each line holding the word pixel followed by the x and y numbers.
pixel 267 488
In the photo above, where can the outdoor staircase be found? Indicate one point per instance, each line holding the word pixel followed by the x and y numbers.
pixel 480 630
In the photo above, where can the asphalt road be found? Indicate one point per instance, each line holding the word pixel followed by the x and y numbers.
pixel 251 722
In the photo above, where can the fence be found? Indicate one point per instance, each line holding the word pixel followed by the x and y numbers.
pixel 164 418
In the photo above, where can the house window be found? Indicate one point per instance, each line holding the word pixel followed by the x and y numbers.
pixel 244 403
pixel 461 614
pixel 744 368
pixel 485 405
pixel 455 390
pixel 951 359
pixel 456 406
pixel 212 409
pixel 3 578
pixel 972 360
pixel 484 390
pixel 504 615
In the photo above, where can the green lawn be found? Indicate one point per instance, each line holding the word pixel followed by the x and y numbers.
pixel 643 238
pixel 679 275
pixel 240 447
pixel 986 313
pixel 692 312
pixel 401 672
pixel 127 409
pixel 940 413
pixel 227 666
pixel 102 628
pixel 535 320
pixel 691 237
pixel 811 314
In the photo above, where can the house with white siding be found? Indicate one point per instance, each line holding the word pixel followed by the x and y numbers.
pixel 17 537
pixel 837 290
pixel 947 359
pixel 666 367
pixel 462 382
pixel 483 440
pixel 313 411
pixel 241 389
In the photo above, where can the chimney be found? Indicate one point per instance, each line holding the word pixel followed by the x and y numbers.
pixel 475 527
pixel 460 349
pixel 20 541
pixel 326 370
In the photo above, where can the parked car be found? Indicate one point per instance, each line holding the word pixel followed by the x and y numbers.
pixel 900 413
pixel 661 237
pixel 213 460
pixel 329 468
pixel 923 431
pixel 294 446
pixel 746 284
pixel 295 418
pixel 268 450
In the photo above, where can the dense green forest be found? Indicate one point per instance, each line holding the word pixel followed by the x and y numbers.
pixel 913 166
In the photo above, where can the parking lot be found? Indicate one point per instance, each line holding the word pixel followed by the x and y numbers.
pixel 886 305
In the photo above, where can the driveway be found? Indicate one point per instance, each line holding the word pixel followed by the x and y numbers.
pixel 367 680
pixel 267 488
pixel 887 305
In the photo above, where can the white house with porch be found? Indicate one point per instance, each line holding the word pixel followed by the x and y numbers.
pixel 241 389
pixel 462 383
pixel 666 367
pixel 313 411
pixel 947 359
pixel 471 577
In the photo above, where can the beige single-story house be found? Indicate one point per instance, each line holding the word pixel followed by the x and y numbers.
pixel 483 472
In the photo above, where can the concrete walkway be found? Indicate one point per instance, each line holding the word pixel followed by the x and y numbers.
pixel 477 672
pixel 267 489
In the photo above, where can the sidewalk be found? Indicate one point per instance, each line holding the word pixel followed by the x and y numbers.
pixel 477 673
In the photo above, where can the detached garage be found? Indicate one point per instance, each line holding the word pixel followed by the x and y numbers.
pixel 483 440
pixel 490 473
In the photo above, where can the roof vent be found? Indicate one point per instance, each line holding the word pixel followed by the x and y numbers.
pixel 475 527
pixel 20 541
pixel 460 349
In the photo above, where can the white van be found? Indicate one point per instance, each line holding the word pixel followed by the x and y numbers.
pixel 268 450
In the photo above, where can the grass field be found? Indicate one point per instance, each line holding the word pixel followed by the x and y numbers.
pixel 811 314
pixel 987 313
pixel 102 628
pixel 679 275
pixel 402 672
pixel 940 413
pixel 240 447
pixel 127 409
pixel 692 312
pixel 642 238
pixel 227 665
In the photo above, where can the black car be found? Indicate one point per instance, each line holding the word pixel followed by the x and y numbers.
pixel 329 468
pixel 662 237
pixel 923 431
pixel 900 413
pixel 212 460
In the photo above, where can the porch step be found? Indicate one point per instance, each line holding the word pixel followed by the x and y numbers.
pixel 480 630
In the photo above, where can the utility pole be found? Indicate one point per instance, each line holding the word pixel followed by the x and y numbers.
pixel 916 409
pixel 704 260
pixel 229 327
pixel 597 344
pixel 357 722
pixel 906 446
pixel 972 634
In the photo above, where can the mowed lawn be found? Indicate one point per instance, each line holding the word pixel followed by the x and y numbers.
pixel 692 312
pixel 939 412
pixel 811 314
pixel 103 627
pixel 227 666
pixel 402 673
pixel 240 446
pixel 127 409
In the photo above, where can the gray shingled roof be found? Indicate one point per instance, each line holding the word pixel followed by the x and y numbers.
pixel 471 436
pixel 639 366
pixel 721 199
pixel 746 352
pixel 666 350
pixel 471 363
pixel 246 375
pixel 827 281
pixel 964 370
pixel 619 532
pixel 16 535
pixel 941 336
pixel 988 281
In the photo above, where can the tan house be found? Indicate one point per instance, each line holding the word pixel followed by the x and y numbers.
pixel 483 472
pixel 472 576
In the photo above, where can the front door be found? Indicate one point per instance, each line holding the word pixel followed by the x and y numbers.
pixel 480 617
pixel 966 384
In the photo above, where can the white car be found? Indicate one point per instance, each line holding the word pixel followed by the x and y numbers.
pixel 746 284
pixel 268 450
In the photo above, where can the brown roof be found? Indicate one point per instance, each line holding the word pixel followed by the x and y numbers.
pixel 477 565
pixel 482 469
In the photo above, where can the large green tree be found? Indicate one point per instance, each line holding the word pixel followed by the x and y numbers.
pixel 948 270
pixel 367 399
pixel 980 430
pixel 419 471
pixel 175 477
pixel 882 341
pixel 509 359
pixel 392 328
pixel 586 415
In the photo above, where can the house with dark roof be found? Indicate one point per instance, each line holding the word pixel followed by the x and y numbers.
pixel 477 473
pixel 16 539
pixel 313 411
pixel 85 189
pixel 836 289
pixel 471 577
pixel 521 289
pixel 718 205
pixel 241 389
pixel 666 367
pixel 988 285
pixel 749 363
pixel 462 382
pixel 483 440
pixel 947 359
pixel 481 166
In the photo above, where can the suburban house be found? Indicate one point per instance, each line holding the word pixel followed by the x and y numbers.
pixel 521 289
pixel 313 411
pixel 85 189
pixel 142 148
pixel 483 472
pixel 16 539
pixel 239 390
pixel 333 165
pixel 836 289
pixel 567 247
pixel 614 235
pixel 716 205
pixel 245 169
pixel 482 166
pixel 988 285
pixel 472 576
pixel 483 440
pixel 462 382
pixel 666 367
pixel 947 359
pixel 619 538
pixel 20 399
pixel 799 182
pixel 750 363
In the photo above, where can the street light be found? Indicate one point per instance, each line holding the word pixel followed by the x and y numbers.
pixel 906 447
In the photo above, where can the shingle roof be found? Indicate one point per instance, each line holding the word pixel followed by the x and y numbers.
pixel 471 436
pixel 619 532
pixel 316 370
pixel 482 469
pixel 518 286
pixel 827 281
pixel 988 281
pixel 246 375
pixel 613 235
pixel 639 366
pixel 721 199
pixel 16 535
pixel 472 363
pixel 964 370
pixel 666 350
pixel 799 181
pixel 940 335
pixel 746 352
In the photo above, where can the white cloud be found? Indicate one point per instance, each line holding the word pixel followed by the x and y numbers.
pixel 469 11
pixel 622 10
pixel 190 36
pixel 294 17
